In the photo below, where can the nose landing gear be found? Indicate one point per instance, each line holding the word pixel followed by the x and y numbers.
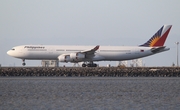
pixel 23 62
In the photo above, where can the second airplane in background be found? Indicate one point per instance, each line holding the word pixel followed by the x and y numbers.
pixel 89 54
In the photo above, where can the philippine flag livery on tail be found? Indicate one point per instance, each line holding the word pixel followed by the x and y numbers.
pixel 159 37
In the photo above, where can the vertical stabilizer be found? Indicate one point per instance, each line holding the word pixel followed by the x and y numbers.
pixel 159 37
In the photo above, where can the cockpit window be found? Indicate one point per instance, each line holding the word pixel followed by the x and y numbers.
pixel 13 49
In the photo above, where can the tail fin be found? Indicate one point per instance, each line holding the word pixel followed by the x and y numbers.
pixel 159 38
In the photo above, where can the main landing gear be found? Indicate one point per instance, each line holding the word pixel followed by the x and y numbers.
pixel 90 64
pixel 23 62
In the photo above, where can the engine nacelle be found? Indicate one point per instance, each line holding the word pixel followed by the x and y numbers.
pixel 73 57
pixel 77 56
pixel 64 58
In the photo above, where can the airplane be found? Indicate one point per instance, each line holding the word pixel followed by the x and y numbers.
pixel 89 54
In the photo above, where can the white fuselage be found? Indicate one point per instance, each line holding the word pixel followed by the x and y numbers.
pixel 104 53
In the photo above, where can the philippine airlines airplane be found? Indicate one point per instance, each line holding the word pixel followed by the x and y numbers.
pixel 89 54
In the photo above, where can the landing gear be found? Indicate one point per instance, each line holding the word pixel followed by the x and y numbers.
pixel 90 64
pixel 83 65
pixel 23 62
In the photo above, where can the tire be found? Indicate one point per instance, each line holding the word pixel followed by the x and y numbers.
pixel 83 65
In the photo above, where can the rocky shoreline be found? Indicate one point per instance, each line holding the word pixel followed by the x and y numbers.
pixel 87 72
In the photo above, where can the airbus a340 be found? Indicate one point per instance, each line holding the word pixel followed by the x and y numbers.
pixel 89 54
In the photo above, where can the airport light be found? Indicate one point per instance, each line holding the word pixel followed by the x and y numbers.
pixel 177 54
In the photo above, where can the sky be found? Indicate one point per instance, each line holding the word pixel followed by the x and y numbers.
pixel 87 22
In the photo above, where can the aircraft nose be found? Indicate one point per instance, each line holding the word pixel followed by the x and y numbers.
pixel 9 53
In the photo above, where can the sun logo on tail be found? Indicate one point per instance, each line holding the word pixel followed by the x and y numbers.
pixel 153 41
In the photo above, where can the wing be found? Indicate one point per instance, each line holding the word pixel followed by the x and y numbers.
pixel 78 56
pixel 91 51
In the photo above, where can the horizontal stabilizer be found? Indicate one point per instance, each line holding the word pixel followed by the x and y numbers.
pixel 159 49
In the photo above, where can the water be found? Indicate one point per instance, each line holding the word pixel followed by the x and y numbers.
pixel 93 93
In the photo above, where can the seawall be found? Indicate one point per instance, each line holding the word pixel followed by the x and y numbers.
pixel 87 72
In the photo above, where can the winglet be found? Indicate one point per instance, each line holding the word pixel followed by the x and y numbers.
pixel 91 51
pixel 96 48
pixel 159 38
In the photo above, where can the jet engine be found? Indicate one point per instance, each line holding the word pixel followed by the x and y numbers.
pixel 64 58
pixel 77 56
pixel 72 57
